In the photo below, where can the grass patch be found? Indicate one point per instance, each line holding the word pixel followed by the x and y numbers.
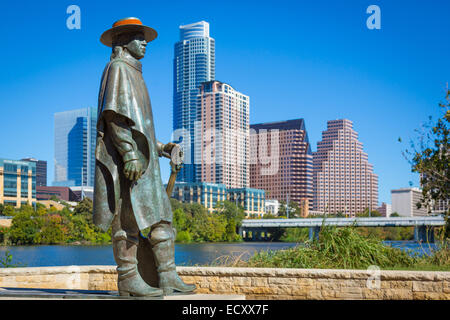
pixel 343 248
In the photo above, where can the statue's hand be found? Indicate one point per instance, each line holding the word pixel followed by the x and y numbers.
pixel 133 170
pixel 168 147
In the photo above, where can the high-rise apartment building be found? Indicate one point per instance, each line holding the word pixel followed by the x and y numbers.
pixel 17 182
pixel 281 161
pixel 41 171
pixel 193 64
pixel 75 140
pixel 223 137
pixel 343 178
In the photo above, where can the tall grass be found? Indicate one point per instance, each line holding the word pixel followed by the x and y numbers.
pixel 342 248
pixel 336 248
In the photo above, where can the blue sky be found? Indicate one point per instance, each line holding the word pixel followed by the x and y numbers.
pixel 315 60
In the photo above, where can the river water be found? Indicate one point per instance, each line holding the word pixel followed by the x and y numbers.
pixel 185 254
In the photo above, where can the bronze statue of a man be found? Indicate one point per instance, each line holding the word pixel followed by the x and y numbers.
pixel 129 194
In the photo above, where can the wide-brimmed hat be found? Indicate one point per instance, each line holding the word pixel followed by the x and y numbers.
pixel 127 25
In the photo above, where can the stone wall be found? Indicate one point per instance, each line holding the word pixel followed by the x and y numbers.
pixel 254 283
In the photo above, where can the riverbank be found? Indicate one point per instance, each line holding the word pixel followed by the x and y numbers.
pixel 200 254
pixel 254 283
pixel 335 248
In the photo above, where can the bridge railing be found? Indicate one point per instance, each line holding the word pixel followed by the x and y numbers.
pixel 342 222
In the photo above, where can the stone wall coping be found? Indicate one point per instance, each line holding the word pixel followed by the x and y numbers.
pixel 56 270
pixel 314 273
pixel 245 272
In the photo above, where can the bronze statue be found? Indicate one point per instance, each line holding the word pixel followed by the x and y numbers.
pixel 129 194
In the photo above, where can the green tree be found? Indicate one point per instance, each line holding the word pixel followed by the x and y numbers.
pixel 175 204
pixel 366 213
pixel 270 216
pixel 85 209
pixel 230 211
pixel 184 236
pixel 24 228
pixel 8 210
pixel 233 215
pixel 180 220
pixel 3 235
pixel 429 155
pixel 293 209
pixel 52 230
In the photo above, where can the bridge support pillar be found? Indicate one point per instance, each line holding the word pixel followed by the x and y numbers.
pixel 314 233
pixel 241 232
pixel 256 234
pixel 265 237
pixel 424 234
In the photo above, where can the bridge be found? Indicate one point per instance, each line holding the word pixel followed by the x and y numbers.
pixel 259 229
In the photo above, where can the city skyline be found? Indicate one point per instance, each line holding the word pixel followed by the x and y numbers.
pixel 318 62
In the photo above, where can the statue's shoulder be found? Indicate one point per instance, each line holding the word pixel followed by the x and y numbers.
pixel 117 63
pixel 115 67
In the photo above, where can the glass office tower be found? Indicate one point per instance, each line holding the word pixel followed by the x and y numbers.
pixel 75 139
pixel 193 64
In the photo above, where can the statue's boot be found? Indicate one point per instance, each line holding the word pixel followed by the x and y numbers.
pixel 163 245
pixel 129 282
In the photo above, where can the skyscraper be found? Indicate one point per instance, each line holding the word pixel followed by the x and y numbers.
pixel 343 177
pixel 223 140
pixel 75 139
pixel 193 64
pixel 281 161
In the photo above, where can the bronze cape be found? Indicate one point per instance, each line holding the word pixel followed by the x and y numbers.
pixel 124 95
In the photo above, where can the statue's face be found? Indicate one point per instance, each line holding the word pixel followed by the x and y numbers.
pixel 136 46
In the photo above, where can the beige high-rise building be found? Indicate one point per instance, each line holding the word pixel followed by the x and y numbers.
pixel 223 135
pixel 343 178
pixel 17 182
pixel 405 200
